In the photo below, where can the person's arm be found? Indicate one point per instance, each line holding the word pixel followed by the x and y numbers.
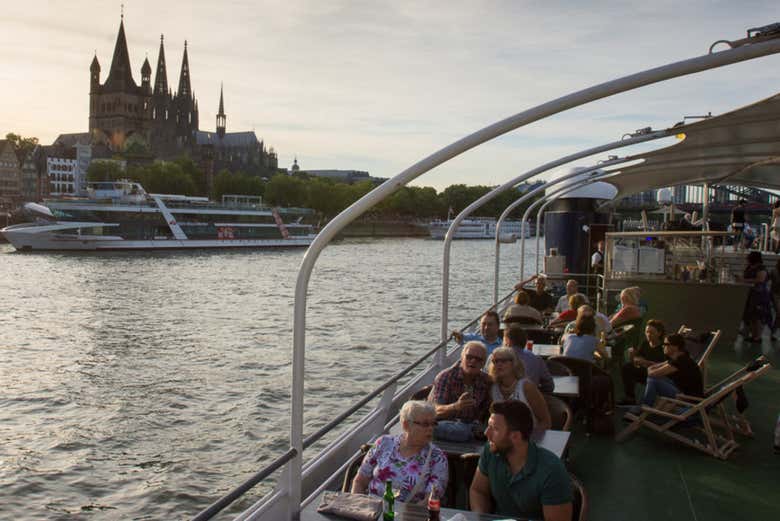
pixel 538 406
pixel 452 410
pixel 601 351
pixel 363 475
pixel 479 494
pixel 519 285
pixel 557 512
pixel 360 483
pixel 662 369
pixel 546 384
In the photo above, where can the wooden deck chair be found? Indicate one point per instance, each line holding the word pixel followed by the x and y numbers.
pixel 706 342
pixel 688 419
pixel 735 419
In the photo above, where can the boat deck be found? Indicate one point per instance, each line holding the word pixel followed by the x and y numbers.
pixel 650 477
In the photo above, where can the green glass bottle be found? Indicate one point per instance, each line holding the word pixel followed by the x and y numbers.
pixel 388 501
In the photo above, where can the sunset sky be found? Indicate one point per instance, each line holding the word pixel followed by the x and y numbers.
pixel 377 86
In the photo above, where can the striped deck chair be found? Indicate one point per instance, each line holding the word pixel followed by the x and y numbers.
pixel 693 420
pixel 700 347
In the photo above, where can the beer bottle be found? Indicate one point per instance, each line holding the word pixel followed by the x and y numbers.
pixel 434 505
pixel 388 501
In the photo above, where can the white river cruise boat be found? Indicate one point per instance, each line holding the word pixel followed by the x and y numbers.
pixel 479 228
pixel 120 215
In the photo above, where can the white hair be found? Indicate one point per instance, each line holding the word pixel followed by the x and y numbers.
pixel 413 409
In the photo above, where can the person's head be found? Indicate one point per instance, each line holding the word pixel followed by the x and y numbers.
pixel 674 345
pixel 489 325
pixel 654 331
pixel 585 309
pixel 777 204
pixel 754 257
pixel 600 245
pixel 473 357
pixel 571 287
pixel 742 202
pixel 418 418
pixel 522 298
pixel 509 426
pixel 515 336
pixel 577 300
pixel 541 283
pixel 505 365
pixel 630 296
pixel 585 325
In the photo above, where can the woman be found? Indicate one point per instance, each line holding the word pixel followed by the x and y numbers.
pixel 509 383
pixel 758 307
pixel 521 312
pixel 569 315
pixel 583 343
pixel 409 460
pixel 650 352
pixel 629 307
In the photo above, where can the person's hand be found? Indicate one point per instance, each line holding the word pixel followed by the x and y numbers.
pixel 631 352
pixel 464 402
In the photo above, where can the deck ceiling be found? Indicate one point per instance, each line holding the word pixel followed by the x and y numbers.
pixel 741 147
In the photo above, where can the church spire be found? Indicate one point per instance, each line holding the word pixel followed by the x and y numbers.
pixel 120 76
pixel 184 78
pixel 221 117
pixel 161 78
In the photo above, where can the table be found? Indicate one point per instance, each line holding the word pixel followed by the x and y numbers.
pixel 403 512
pixel 547 350
pixel 568 386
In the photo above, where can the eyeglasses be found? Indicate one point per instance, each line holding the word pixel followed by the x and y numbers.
pixel 425 425
pixel 666 344
pixel 475 358
pixel 501 360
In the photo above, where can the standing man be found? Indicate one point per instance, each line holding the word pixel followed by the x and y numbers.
pixel 738 222
pixel 488 332
pixel 521 479
pixel 597 259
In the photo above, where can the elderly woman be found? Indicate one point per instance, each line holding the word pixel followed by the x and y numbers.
pixel 509 383
pixel 602 322
pixel 575 301
pixel 629 307
pixel 409 460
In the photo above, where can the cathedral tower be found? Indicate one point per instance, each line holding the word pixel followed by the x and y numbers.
pixel 221 117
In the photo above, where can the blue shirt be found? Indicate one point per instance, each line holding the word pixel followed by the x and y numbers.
pixel 479 338
pixel 535 369
pixel 580 347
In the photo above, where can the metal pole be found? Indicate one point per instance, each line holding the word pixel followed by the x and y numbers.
pixel 603 90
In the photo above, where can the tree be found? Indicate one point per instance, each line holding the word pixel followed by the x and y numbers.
pixel 22 145
pixel 105 171
pixel 284 190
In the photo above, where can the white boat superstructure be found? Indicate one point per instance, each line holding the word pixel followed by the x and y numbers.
pixel 299 483
pixel 121 215
pixel 482 228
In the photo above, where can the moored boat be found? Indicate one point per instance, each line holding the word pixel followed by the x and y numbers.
pixel 479 228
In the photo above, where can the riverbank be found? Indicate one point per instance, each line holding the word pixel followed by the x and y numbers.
pixel 385 228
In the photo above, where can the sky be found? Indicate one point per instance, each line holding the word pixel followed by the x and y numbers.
pixel 377 86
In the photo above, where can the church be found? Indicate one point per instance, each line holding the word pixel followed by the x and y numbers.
pixel 152 120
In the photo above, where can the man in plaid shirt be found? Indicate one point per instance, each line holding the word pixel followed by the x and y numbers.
pixel 462 391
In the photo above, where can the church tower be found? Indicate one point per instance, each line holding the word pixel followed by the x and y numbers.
pixel 221 117
pixel 185 106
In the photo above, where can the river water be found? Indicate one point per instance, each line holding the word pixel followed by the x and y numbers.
pixel 146 385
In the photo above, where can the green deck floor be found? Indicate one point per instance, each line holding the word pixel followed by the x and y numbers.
pixel 652 477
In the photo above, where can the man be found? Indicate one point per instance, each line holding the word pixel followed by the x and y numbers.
pixel 516 476
pixel 488 332
pixel 461 394
pixel 679 374
pixel 535 368
pixel 540 299
pixel 597 259
pixel 738 222
pixel 571 289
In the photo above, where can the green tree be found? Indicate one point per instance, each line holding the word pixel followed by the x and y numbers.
pixel 284 190
pixel 105 171
pixel 22 145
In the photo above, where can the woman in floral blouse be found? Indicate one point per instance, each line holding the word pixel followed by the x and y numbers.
pixel 409 460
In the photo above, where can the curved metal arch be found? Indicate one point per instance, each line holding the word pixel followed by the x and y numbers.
pixel 291 483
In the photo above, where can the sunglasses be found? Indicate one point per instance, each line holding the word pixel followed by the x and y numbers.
pixel 475 358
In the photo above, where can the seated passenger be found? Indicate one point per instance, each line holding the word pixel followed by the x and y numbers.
pixel 540 299
pixel 409 460
pixel 509 383
pixel 521 312
pixel 488 332
pixel 650 351
pixel 535 368
pixel 563 302
pixel 570 315
pixel 461 394
pixel 679 374
pixel 629 307
pixel 515 477
pixel 602 323
pixel 583 343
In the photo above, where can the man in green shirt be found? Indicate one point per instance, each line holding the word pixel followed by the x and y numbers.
pixel 515 475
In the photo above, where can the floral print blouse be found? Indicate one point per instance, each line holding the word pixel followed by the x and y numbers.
pixel 384 462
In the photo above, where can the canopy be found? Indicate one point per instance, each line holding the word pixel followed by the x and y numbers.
pixel 741 147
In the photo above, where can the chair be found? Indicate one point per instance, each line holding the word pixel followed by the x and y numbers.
pixel 351 471
pixel 422 394
pixel 557 368
pixel 560 413
pixel 700 346
pixel 691 420
pixel 580 503
pixel 591 395
pixel 468 466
